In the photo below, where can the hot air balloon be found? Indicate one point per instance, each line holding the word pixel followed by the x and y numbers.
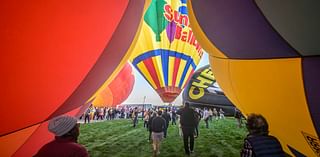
pixel 266 58
pixel 167 52
pixel 204 91
pixel 55 55
pixel 118 90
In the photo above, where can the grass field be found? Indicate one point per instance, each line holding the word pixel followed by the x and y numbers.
pixel 118 138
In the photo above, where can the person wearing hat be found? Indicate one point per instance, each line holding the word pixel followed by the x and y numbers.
pixel 66 131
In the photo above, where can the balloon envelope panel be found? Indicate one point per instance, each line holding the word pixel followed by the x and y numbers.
pixel 56 55
pixel 264 63
pixel 118 90
pixel 46 54
pixel 204 91
pixel 167 52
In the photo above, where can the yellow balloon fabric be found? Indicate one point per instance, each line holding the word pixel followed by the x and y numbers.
pixel 263 72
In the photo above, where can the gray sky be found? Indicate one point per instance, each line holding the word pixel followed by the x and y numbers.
pixel 142 88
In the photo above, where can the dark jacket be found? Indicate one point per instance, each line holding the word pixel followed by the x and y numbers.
pixel 62 147
pixel 187 117
pixel 262 146
pixel 150 122
pixel 166 117
pixel 158 124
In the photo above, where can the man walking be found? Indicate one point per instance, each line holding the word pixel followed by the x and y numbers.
pixel 166 116
pixel 188 123
pixel 158 127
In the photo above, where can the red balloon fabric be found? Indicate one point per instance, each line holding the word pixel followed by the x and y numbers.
pixel 118 90
pixel 54 56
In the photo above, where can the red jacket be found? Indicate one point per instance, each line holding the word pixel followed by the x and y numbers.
pixel 62 147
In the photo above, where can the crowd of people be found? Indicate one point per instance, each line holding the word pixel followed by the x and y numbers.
pixel 66 129
pixel 109 113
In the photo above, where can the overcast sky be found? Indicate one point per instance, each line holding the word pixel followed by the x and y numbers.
pixel 142 88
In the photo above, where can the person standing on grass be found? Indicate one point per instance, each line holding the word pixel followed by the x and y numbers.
pixel 221 113
pixel 146 119
pixel 66 131
pixel 258 142
pixel 198 118
pixel 158 127
pixel 167 117
pixel 135 117
pixel 188 123
pixel 238 117
pixel 152 116
pixel 210 115
pixel 87 116
pixel 206 117
pixel 174 117
pixel 215 114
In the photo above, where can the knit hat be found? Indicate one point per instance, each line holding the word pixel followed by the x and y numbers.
pixel 61 125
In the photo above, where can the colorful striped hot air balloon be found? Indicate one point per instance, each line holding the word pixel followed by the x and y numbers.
pixel 265 54
pixel 167 52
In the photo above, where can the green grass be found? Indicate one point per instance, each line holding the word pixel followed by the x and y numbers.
pixel 118 138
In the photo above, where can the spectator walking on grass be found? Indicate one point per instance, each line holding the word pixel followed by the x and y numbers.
pixel 221 113
pixel 198 118
pixel 158 128
pixel 146 119
pixel 87 116
pixel 135 117
pixel 210 115
pixel 258 142
pixel 152 116
pixel 238 117
pixel 215 114
pixel 174 117
pixel 66 131
pixel 167 117
pixel 206 117
pixel 188 123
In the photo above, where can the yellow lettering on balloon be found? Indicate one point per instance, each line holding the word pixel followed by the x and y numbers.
pixel 207 73
pixel 202 83
pixel 195 96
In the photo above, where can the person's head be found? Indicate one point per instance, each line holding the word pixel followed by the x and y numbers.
pixel 159 113
pixel 64 126
pixel 186 105
pixel 257 124
pixel 154 114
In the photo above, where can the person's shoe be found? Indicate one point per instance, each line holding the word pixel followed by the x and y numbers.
pixel 191 151
pixel 158 152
